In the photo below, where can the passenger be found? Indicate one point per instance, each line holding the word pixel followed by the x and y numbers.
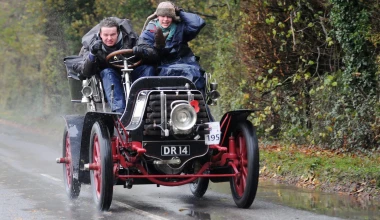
pixel 168 32
pixel 110 35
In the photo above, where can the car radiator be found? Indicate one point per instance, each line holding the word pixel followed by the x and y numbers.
pixel 156 102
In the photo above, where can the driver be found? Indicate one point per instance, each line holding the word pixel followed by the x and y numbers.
pixel 110 35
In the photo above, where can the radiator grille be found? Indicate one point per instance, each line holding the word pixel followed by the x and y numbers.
pixel 153 111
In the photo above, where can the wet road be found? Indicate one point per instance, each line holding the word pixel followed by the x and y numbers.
pixel 31 188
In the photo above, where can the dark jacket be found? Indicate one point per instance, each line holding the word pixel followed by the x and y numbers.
pixel 87 68
pixel 189 27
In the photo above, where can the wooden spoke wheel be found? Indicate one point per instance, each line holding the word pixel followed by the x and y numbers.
pixel 100 156
pixel 72 185
pixel 244 185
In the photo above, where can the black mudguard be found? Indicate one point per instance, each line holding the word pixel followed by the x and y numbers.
pixel 74 125
pixel 235 117
pixel 79 128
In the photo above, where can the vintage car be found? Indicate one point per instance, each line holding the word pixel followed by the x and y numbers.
pixel 166 136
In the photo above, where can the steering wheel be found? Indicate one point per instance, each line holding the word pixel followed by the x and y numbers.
pixel 119 52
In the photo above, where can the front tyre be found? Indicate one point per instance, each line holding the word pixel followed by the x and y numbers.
pixel 100 155
pixel 72 185
pixel 244 186
pixel 199 187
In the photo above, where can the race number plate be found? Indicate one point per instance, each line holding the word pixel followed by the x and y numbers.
pixel 175 150
pixel 214 136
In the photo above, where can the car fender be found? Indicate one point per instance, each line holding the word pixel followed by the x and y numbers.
pixel 230 120
pixel 74 125
pixel 79 129
pixel 89 119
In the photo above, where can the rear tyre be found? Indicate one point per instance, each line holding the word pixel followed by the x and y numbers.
pixel 72 185
pixel 199 187
pixel 244 186
pixel 100 154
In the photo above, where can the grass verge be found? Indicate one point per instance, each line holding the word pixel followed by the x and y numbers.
pixel 316 168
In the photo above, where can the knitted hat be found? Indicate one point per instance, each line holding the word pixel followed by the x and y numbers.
pixel 163 9
pixel 167 9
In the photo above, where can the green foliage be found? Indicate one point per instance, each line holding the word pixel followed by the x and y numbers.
pixel 287 49
pixel 358 94
pixel 227 66
pixel 32 68
pixel 312 70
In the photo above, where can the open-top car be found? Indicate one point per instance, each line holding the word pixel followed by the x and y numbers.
pixel 166 136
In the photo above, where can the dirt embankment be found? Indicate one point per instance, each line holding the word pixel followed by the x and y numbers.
pixel 359 185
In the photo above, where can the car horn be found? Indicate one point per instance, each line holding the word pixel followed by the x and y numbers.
pixel 213 95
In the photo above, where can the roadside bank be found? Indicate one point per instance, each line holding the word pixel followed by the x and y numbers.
pixel 351 173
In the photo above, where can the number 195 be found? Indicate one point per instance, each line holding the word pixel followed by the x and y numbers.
pixel 213 137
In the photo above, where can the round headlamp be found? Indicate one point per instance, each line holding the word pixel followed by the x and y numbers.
pixel 183 117
pixel 87 91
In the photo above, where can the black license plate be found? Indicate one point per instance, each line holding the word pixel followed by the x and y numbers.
pixel 175 150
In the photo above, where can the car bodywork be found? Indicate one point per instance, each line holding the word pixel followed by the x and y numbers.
pixel 166 136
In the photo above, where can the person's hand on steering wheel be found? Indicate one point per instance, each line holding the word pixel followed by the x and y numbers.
pixel 138 51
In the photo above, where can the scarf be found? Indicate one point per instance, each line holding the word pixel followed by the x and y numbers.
pixel 171 29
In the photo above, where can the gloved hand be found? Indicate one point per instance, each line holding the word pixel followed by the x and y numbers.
pixel 96 46
pixel 177 10
pixel 159 39
pixel 138 51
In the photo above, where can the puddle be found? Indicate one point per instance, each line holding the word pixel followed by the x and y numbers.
pixel 196 215
pixel 330 204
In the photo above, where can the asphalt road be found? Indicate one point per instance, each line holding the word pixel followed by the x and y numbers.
pixel 31 187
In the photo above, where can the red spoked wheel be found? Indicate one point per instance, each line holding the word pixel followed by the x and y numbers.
pixel 100 156
pixel 244 185
pixel 72 185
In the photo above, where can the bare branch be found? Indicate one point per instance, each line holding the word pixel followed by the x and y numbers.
pixel 323 26
pixel 202 14
pixel 319 54
pixel 218 5
pixel 294 36
pixel 276 86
